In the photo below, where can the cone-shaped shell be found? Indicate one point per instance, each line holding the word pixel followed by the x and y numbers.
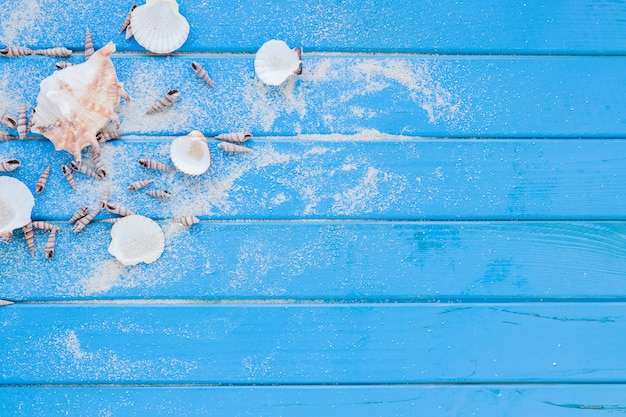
pixel 136 239
pixel 16 205
pixel 275 62
pixel 158 27
pixel 74 104
pixel 190 154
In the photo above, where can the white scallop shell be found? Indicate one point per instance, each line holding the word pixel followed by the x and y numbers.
pixel 275 62
pixel 136 239
pixel 190 154
pixel 158 27
pixel 16 205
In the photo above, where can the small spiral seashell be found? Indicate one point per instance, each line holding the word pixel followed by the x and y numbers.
pixel 8 121
pixel 152 164
pixel 84 169
pixel 97 162
pixel 186 220
pixel 15 51
pixel 116 208
pixel 9 165
pixel 89 49
pixel 159 193
pixel 80 213
pixel 103 137
pixel 167 100
pixel 4 136
pixel 85 220
pixel 59 51
pixel 48 249
pixel 127 20
pixel 40 224
pixel 41 182
pixel 22 125
pixel 139 184
pixel 236 137
pixel 67 173
pixel 29 235
pixel 105 197
pixel 201 72
pixel 63 64
pixel 233 148
pixel 111 220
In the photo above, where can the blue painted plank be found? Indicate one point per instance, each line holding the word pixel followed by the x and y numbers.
pixel 312 343
pixel 383 179
pixel 472 96
pixel 358 401
pixel 333 261
pixel 441 26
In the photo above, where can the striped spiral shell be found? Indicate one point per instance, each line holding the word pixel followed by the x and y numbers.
pixel 40 224
pixel 235 137
pixel 139 184
pixel 201 72
pixel 41 182
pixel 22 125
pixel 9 165
pixel 117 208
pixel 103 137
pixel 233 148
pixel 97 162
pixel 126 23
pixel 78 214
pixel 85 220
pixel 59 51
pixel 186 220
pixel 67 173
pixel 48 249
pixel 111 220
pixel 152 164
pixel 84 169
pixel 29 235
pixel 105 197
pixel 89 49
pixel 15 51
pixel 63 64
pixel 167 100
pixel 159 193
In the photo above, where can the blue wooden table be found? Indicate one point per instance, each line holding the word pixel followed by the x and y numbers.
pixel 432 221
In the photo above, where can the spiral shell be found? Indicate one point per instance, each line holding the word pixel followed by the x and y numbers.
pixel 233 148
pixel 67 173
pixel 127 20
pixel 97 162
pixel 84 169
pixel 152 164
pixel 112 220
pixel 85 220
pixel 48 249
pixel 63 64
pixel 167 100
pixel 139 184
pixel 159 193
pixel 22 126
pixel 43 225
pixel 186 220
pixel 108 135
pixel 59 51
pixel 201 72
pixel 235 137
pixel 78 214
pixel 9 165
pixel 41 182
pixel 89 49
pixel 106 194
pixel 116 208
pixel 29 235
pixel 15 51
pixel 8 121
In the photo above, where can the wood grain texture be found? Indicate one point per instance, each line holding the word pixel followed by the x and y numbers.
pixel 333 261
pixel 313 344
pixel 362 401
pixel 441 26
pixel 470 96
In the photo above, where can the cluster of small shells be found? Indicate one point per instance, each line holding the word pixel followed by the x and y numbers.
pixel 91 89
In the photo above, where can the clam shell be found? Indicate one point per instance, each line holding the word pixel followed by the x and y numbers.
pixel 136 239
pixel 16 205
pixel 74 104
pixel 190 154
pixel 275 62
pixel 158 27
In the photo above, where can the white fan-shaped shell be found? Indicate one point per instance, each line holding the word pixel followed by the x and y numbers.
pixel 16 204
pixel 275 62
pixel 136 239
pixel 158 27
pixel 190 154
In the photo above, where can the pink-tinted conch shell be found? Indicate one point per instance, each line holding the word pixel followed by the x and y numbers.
pixel 76 103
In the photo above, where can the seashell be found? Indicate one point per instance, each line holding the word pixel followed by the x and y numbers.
pixel 48 249
pixel 63 64
pixel 274 62
pixel 80 213
pixel 89 49
pixel 236 137
pixel 118 209
pixel 67 173
pixel 59 51
pixel 84 169
pixel 165 101
pixel 158 26
pixel 85 220
pixel 22 125
pixel 190 154
pixel 15 51
pixel 201 72
pixel 108 135
pixel 76 103
pixel 41 182
pixel 29 235
pixel 139 184
pixel 97 162
pixel 152 164
pixel 4 136
pixel 233 148
pixel 8 121
pixel 112 220
pixel 127 19
pixel 136 239
pixel 16 206
pixel 40 224
pixel 9 165
pixel 159 193
pixel 105 197
pixel 186 220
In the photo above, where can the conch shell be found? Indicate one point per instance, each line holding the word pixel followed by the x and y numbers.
pixel 76 103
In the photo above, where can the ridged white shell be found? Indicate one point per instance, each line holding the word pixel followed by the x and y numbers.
pixel 190 154
pixel 158 27
pixel 275 62
pixel 16 204
pixel 136 239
